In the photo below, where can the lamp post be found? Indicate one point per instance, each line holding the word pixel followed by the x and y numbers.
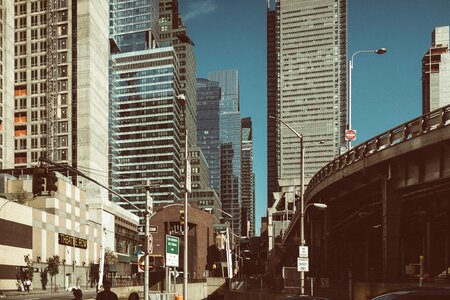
pixel 181 99
pixel 350 68
pixel 73 251
pixel 148 237
pixel 229 258
pixel 302 178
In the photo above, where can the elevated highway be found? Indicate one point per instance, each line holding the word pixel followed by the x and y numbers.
pixel 388 204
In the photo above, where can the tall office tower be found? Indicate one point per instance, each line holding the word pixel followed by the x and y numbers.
pixel 147 132
pixel 230 140
pixel 6 84
pixel 208 127
pixel 174 33
pixel 436 71
pixel 204 195
pixel 61 86
pixel 306 80
pixel 247 176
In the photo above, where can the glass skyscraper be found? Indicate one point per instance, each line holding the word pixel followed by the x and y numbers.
pixel 208 127
pixel 306 68
pixel 146 123
pixel 247 178
pixel 230 139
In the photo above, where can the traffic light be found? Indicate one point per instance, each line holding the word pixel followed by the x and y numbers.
pixel 38 181
pixel 51 181
pixel 181 217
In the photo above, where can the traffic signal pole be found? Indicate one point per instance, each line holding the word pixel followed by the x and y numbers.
pixel 147 250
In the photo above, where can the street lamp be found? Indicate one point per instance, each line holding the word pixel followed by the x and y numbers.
pixel 73 251
pixel 148 237
pixel 181 100
pixel 302 180
pixel 229 258
pixel 350 68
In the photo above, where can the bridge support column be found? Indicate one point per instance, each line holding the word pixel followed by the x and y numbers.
pixel 391 224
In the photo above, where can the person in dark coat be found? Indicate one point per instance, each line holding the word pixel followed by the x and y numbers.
pixel 107 294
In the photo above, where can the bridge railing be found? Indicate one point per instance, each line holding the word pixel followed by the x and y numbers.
pixel 406 131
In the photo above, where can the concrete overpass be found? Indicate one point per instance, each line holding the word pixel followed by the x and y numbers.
pixel 388 204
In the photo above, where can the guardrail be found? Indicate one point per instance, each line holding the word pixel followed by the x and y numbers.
pixel 406 131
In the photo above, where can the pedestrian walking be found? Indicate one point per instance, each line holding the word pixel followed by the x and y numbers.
pixel 27 284
pixel 106 294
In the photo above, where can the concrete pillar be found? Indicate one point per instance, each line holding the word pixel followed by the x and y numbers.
pixel 391 224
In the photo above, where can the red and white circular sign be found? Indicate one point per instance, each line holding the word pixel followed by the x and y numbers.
pixel 350 135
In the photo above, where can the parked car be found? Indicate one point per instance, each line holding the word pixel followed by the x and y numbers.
pixel 416 294
pixel 305 297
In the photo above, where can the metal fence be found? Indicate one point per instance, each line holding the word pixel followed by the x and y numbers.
pixel 406 131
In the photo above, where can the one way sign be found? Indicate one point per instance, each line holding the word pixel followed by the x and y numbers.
pixel 151 229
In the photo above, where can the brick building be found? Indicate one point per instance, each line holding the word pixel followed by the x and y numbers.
pixel 201 235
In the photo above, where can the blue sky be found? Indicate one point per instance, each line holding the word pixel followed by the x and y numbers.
pixel 386 88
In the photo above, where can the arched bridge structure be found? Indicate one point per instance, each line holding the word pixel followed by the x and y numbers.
pixel 388 204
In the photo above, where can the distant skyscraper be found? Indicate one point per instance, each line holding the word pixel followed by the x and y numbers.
pixel 247 176
pixel 436 71
pixel 146 130
pixel 230 139
pixel 306 81
pixel 7 85
pixel 208 127
pixel 61 86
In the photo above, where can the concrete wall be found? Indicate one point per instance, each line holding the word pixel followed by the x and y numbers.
pixel 197 291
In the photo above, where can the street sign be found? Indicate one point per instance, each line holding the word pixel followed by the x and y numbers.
pixel 141 261
pixel 151 229
pixel 303 251
pixel 172 251
pixel 150 244
pixel 302 264
pixel 350 135
pixel 188 176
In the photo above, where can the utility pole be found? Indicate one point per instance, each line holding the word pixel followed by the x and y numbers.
pixel 148 237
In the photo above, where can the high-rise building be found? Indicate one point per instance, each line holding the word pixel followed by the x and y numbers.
pixel 247 177
pixel 436 71
pixel 147 126
pixel 208 127
pixel 61 86
pixel 306 81
pixel 230 139
pixel 174 33
pixel 6 84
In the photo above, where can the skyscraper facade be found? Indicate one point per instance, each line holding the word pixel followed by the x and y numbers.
pixel 174 33
pixel 247 177
pixel 147 128
pixel 230 139
pixel 61 86
pixel 208 127
pixel 6 84
pixel 436 71
pixel 306 82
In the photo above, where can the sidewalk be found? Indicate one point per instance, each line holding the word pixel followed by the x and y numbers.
pixel 10 293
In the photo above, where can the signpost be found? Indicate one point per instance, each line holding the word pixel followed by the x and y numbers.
pixel 172 251
pixel 350 134
pixel 302 259
pixel 141 261
pixel 303 251
pixel 302 264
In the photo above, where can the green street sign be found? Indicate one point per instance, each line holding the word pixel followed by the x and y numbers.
pixel 172 251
